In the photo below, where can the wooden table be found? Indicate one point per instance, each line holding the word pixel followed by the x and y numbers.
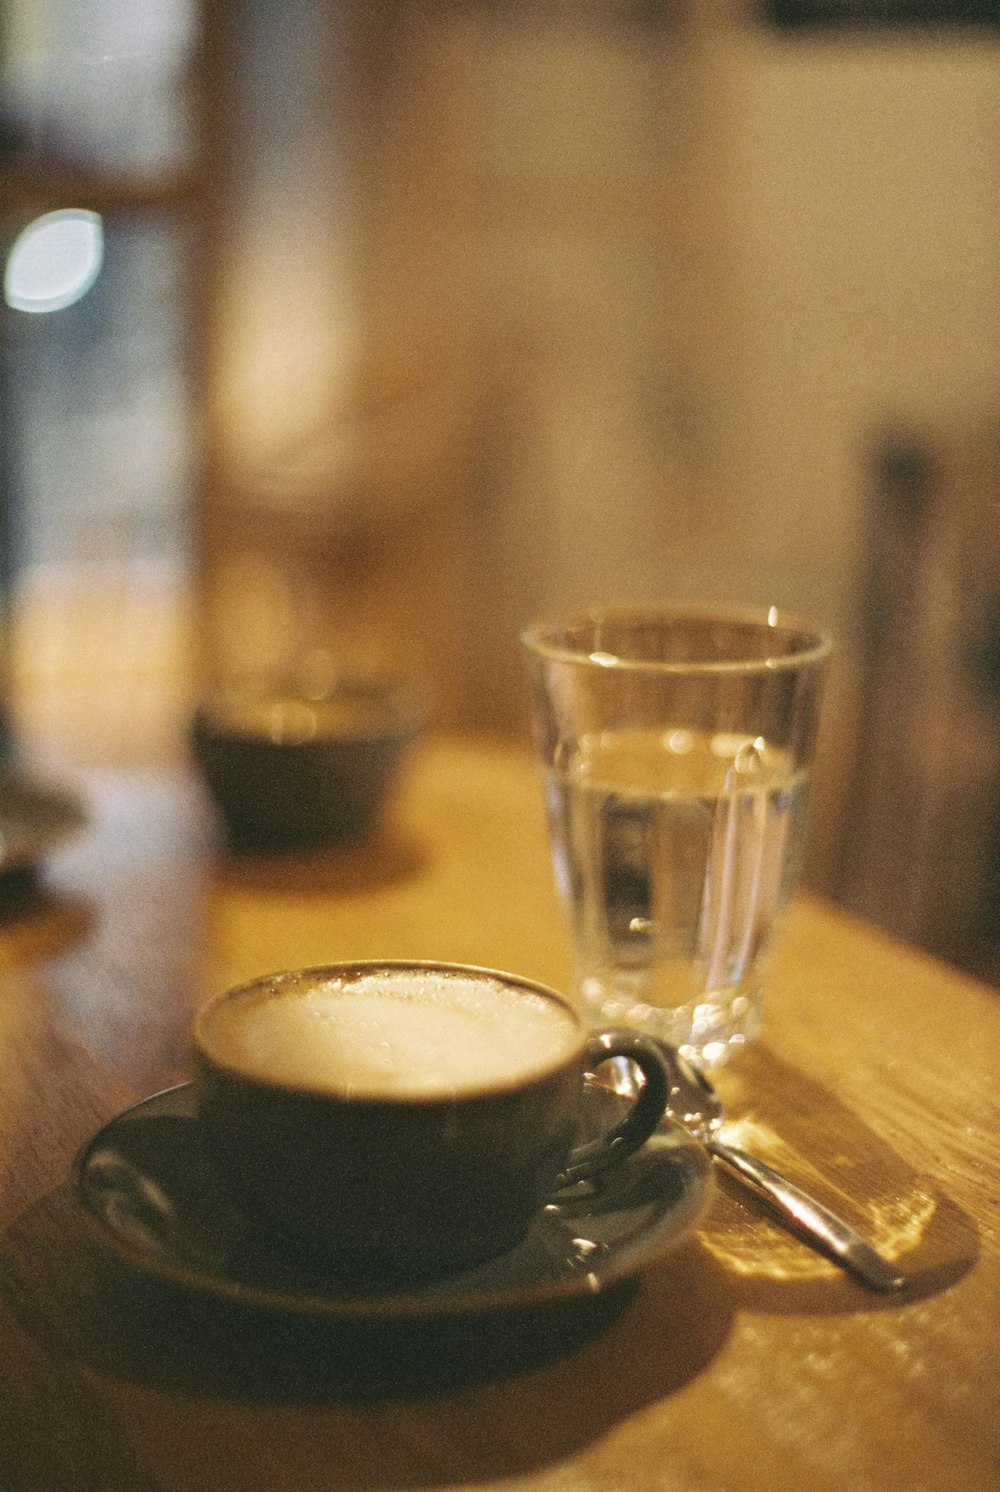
pixel 743 1363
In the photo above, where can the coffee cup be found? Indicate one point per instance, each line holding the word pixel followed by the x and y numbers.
pixel 386 1122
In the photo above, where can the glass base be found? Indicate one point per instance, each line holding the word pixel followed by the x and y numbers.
pixel 708 1031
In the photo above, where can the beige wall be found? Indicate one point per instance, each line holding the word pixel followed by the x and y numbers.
pixel 861 212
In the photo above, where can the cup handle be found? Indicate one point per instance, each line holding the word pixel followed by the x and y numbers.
pixel 595 1156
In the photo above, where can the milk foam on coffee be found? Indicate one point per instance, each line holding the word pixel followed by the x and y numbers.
pixel 402 1033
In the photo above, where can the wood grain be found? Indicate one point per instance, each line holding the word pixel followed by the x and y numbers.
pixel 744 1363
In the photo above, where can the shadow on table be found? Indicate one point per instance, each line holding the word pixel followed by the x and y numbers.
pixel 828 1150
pixel 79 1301
pixel 35 921
pixel 364 865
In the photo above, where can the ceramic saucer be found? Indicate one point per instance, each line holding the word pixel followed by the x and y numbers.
pixel 147 1186
pixel 34 818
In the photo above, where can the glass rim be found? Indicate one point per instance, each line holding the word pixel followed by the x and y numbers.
pixel 540 638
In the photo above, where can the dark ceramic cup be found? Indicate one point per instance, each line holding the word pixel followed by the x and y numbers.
pixel 395 1121
pixel 290 770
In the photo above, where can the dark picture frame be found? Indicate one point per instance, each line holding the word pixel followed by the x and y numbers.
pixel 799 14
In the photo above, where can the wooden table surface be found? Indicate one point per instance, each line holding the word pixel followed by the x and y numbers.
pixel 743 1362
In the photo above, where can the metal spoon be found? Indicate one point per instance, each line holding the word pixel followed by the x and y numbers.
pixel 695 1105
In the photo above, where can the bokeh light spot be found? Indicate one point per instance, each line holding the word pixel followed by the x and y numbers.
pixel 54 260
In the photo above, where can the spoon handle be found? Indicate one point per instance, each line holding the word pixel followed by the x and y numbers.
pixel 823 1228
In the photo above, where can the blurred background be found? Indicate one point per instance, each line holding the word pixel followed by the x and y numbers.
pixel 351 333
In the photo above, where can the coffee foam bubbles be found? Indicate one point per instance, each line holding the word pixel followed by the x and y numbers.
pixel 398 1034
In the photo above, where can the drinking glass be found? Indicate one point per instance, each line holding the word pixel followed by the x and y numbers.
pixel 676 747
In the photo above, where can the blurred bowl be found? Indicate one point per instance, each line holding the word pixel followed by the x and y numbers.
pixel 292 770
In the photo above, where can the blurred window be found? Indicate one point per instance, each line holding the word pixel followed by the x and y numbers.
pixel 99 206
pixel 98 85
pixel 97 397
